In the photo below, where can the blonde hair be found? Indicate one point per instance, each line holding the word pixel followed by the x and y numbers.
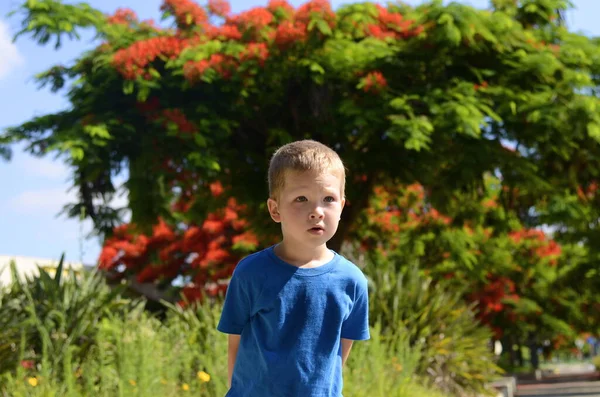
pixel 306 155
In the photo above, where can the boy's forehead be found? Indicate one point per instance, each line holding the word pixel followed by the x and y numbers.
pixel 296 179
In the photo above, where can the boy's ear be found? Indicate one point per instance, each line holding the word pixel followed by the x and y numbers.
pixel 273 210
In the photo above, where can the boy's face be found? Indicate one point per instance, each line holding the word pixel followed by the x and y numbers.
pixel 308 207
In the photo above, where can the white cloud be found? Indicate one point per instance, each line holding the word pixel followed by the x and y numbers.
pixel 10 57
pixel 43 200
pixel 53 200
pixel 44 167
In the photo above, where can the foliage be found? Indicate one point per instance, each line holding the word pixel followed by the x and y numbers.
pixel 454 347
pixel 596 362
pixel 437 98
pixel 137 355
pixel 521 279
pixel 54 318
pixel 433 90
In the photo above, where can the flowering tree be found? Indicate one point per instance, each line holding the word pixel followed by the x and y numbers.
pixel 430 95
pixel 520 279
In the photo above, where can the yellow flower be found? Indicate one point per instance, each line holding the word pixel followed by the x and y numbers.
pixel 398 367
pixel 163 381
pixel 132 382
pixel 203 376
pixel 185 387
pixel 32 381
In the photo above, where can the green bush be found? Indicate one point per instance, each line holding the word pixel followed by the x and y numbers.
pixel 454 348
pixel 83 339
pixel 596 362
pixel 138 356
pixel 54 317
pixel 141 356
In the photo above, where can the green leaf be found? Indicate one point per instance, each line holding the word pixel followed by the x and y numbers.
pixel 77 153
pixel 593 130
pixel 128 87
pixel 97 131
pixel 200 140
pixel 324 27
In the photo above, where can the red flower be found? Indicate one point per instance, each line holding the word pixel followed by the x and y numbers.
pixel 288 33
pixel 191 294
pixel 27 364
pixel 149 273
pixel 275 5
pixel 225 32
pixel 257 17
pixel 213 227
pixel 256 51
pixel 374 82
pixel 186 12
pixel 193 70
pixel 247 238
pixel 162 232
pixel 312 8
pixel 220 8
pixel 177 117
pixel 392 25
pixel 131 61
pixel 123 16
pixel 216 189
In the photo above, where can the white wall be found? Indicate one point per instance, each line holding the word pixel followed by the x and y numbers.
pixel 29 265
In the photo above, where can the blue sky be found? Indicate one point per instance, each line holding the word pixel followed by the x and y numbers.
pixel 33 190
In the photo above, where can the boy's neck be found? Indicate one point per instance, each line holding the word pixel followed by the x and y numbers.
pixel 302 256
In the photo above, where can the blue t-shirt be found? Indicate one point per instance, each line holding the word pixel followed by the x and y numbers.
pixel 291 320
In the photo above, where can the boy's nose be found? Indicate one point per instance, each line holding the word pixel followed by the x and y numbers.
pixel 317 213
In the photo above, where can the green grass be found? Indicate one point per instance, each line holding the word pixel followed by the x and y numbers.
pixel 141 356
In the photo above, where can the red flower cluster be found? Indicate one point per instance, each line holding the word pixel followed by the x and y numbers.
pixel 257 18
pixel 288 33
pixel 490 299
pixel 477 87
pixel 392 25
pixel 316 8
pixel 123 16
pixel 224 32
pixel 194 70
pixel 538 244
pixel 131 61
pixel 255 51
pixel 219 8
pixel 186 12
pixel 374 82
pixel 206 249
pixel 587 193
pixel 276 5
pixel 225 65
pixel 176 116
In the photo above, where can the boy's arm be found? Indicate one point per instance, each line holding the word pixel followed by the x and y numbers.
pixel 232 350
pixel 346 346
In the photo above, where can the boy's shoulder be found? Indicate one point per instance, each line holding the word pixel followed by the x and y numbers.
pixel 251 264
pixel 351 270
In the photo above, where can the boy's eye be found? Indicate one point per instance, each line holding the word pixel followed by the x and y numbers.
pixel 329 199
pixel 300 199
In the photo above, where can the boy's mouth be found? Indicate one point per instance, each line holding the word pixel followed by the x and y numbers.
pixel 316 229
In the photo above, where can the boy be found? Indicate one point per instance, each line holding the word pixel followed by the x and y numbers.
pixel 293 309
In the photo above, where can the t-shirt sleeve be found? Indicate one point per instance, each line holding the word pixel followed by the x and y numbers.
pixel 356 326
pixel 236 309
